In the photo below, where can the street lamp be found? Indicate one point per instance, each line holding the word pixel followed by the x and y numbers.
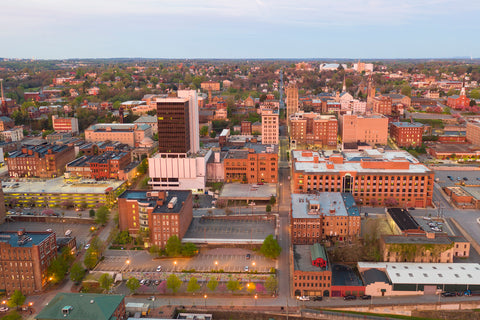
pixel 216 265
pixel 205 298
pixel 256 297
pixel 253 266
pixel 174 266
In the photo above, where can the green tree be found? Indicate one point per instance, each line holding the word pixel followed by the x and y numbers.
pixel 212 284
pixel 105 281
pixel 173 247
pixel 474 94
pixel 213 134
pixel 16 300
pixel 268 208
pixel 155 250
pixel 270 247
pixel 90 259
pixel 77 272
pixel 91 213
pixel 193 285
pixel 173 283
pixel 189 250
pixel 271 283
pixel 204 131
pixel 132 284
pixel 102 215
pixel 273 200
pixel 233 285
pixel 143 166
pixel 406 90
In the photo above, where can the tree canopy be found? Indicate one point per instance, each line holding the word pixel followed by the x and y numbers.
pixel 132 284
pixel 270 247
pixel 102 215
pixel 173 283
pixel 193 285
pixel 17 299
pixel 105 281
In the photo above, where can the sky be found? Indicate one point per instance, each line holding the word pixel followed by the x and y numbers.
pixel 357 29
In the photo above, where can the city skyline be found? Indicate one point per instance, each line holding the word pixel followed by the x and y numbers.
pixel 250 29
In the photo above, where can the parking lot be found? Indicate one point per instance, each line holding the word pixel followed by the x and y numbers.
pixel 226 259
pixel 80 231
pixel 450 178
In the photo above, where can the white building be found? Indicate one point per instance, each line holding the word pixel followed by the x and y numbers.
pixel 177 171
pixel 12 135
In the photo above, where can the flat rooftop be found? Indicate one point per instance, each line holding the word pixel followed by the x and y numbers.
pixel 408 124
pixel 428 273
pixel 59 185
pixel 302 259
pixel 416 239
pixel 141 196
pixel 27 240
pixel 403 219
pixel 304 206
pixel 240 191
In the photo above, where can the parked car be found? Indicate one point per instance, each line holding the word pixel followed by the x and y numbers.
pixel 449 294
pixel 366 297
pixel 87 246
pixel 159 268
pixel 246 269
pixel 152 298
pixel 317 298
pixel 248 256
pixel 350 297
pixel 303 298
pixel 4 309
pixel 465 178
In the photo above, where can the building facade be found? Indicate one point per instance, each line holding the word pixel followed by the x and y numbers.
pixel 270 126
pixel 157 214
pixel 382 105
pixel 44 161
pixel 371 176
pixel 65 124
pixel 370 129
pixel 313 128
pixel 326 216
pixel 24 260
pixel 250 166
pixel 128 133
pixel 407 134
pixel 309 277
pixel 12 135
pixel 291 100
pixel 99 167
pixel 473 132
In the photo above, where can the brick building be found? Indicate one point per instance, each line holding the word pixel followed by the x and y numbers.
pixel 382 105
pixel 246 128
pixel 326 216
pixel 310 279
pixel 6 123
pixel 255 164
pixel 313 128
pixel 459 102
pixel 103 166
pixel 24 260
pixel 371 176
pixel 407 134
pixel 128 133
pixel 369 129
pixel 160 214
pixel 65 124
pixel 44 161
pixel 473 132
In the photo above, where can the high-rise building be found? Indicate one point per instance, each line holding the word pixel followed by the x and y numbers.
pixel 313 128
pixel 178 127
pixel 270 126
pixel 291 100
pixel 382 105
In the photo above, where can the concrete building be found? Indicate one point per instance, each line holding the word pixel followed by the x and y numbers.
pixel 326 216
pixel 407 134
pixel 382 105
pixel 371 176
pixel 6 123
pixel 313 128
pixel 369 129
pixel 65 124
pixel 473 132
pixel 148 120
pixel 12 135
pixel 160 214
pixel 84 306
pixel 254 164
pixel 312 274
pixel 128 133
pixel 43 161
pixel 270 126
pixel 24 259
pixel 291 100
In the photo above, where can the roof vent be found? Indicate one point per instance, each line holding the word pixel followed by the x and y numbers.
pixel 66 310
pixel 91 301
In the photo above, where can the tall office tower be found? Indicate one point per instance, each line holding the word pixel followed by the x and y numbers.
pixel 192 97
pixel 270 126
pixel 292 100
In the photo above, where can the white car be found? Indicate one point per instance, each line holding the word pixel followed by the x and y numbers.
pixel 87 246
pixel 303 298
pixel 4 309
pixel 246 269
pixel 159 268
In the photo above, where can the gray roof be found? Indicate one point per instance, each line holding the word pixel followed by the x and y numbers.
pixel 302 259
pixel 304 206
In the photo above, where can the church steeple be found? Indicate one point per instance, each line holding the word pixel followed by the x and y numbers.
pixel 462 92
pixel 344 88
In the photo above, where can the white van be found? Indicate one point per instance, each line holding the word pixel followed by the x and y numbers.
pixel 68 233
